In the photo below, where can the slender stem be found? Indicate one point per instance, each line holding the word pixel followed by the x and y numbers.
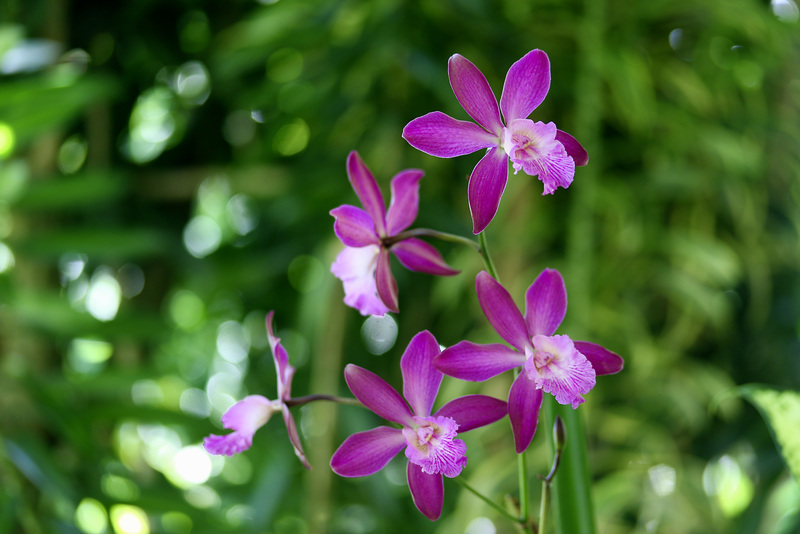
pixel 487 258
pixel 425 232
pixel 522 471
pixel 545 504
pixel 486 499
pixel 299 401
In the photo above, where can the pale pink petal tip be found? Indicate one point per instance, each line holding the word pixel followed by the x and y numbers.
pixel 228 445
pixel 249 414
pixel 355 267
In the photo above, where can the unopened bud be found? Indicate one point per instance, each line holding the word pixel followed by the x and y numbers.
pixel 559 434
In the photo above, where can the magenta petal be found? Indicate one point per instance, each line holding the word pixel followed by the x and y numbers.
pixel 294 437
pixel 573 148
pixel 421 380
pixel 377 395
pixel 473 411
pixel 486 185
pixel 443 136
pixel 228 444
pixel 367 452
pixel 387 285
pixel 354 227
pixel 367 190
pixel 502 313
pixel 417 255
pixel 603 360
pixel 284 371
pixel 405 201
pixel 524 401
pixel 474 93
pixel 545 303
pixel 426 490
pixel 526 85
pixel 469 361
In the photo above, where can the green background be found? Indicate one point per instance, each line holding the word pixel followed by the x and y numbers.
pixel 166 172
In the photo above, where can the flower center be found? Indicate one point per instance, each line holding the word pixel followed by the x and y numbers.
pixel 532 147
pixel 555 366
pixel 432 445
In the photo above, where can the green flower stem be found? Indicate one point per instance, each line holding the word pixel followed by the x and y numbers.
pixel 572 488
pixel 425 232
pixel 559 433
pixel 486 499
pixel 299 401
pixel 487 258
pixel 544 506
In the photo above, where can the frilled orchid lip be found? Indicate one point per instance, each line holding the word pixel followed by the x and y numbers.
pixel 557 367
pixel 432 445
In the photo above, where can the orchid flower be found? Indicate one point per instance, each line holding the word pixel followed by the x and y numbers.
pixel 429 440
pixel 551 363
pixel 251 413
pixel 534 147
pixel 369 235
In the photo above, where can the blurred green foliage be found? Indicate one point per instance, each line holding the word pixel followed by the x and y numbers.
pixel 166 172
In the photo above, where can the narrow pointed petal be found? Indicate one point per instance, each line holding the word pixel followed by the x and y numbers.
pixel 526 85
pixel 573 148
pixel 443 136
pixel 486 185
pixel 426 490
pixel 377 395
pixel 469 361
pixel 421 380
pixel 294 437
pixel 474 93
pixel 603 360
pixel 284 371
pixel 367 190
pixel 501 311
pixel 354 227
pixel 545 303
pixel 524 401
pixel 473 411
pixel 367 452
pixel 417 255
pixel 405 201
pixel 386 283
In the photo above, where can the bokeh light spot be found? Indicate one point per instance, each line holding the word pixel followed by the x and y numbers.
pixel 128 519
pixel 379 333
pixel 72 154
pixel 6 258
pixel 202 236
pixel 104 295
pixel 186 309
pixel 480 525
pixel 91 517
pixel 284 65
pixel 7 140
pixel 292 138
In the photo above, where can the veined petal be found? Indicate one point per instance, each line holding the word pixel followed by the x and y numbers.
pixel 473 411
pixel 469 361
pixel 387 285
pixel 474 93
pixel 417 255
pixel 486 185
pixel 604 362
pixel 367 452
pixel 426 490
pixel 526 85
pixel 421 380
pixel 524 402
pixel 545 303
pixel 573 148
pixel 367 190
pixel 294 437
pixel 557 367
pixel 501 311
pixel 354 227
pixel 405 201
pixel 249 414
pixel 377 395
pixel 442 136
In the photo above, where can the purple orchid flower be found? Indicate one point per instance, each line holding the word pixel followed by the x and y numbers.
pixel 251 413
pixel 551 363
pixel 369 235
pixel 430 442
pixel 534 147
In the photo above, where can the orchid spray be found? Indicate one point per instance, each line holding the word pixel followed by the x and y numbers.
pixel 545 363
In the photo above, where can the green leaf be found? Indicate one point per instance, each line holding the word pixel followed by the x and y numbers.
pixel 781 411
